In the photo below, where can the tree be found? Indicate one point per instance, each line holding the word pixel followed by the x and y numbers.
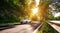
pixel 55 7
pixel 43 9
pixel 13 9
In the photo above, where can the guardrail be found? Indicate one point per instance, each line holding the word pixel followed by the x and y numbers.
pixel 54 25
pixel 56 22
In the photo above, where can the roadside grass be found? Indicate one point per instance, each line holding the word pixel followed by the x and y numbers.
pixel 46 28
pixel 9 22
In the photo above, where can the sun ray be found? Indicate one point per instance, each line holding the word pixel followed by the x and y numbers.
pixel 37 2
pixel 35 10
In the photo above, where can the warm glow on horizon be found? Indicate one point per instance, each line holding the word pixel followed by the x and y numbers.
pixel 35 10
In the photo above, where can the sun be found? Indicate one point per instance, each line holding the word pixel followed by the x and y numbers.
pixel 35 10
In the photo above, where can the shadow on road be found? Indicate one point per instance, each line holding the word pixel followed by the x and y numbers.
pixel 35 24
pixel 7 26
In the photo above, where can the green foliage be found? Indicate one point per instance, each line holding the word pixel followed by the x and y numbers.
pixel 48 1
pixel 11 10
pixel 6 10
pixel 57 18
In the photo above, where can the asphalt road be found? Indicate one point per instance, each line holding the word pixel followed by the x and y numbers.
pixel 24 28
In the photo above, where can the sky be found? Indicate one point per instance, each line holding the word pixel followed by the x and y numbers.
pixel 54 13
pixel 57 14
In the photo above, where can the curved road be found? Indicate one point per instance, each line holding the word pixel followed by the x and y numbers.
pixel 25 28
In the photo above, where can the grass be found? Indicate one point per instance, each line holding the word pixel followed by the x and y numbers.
pixel 46 28
pixel 9 22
